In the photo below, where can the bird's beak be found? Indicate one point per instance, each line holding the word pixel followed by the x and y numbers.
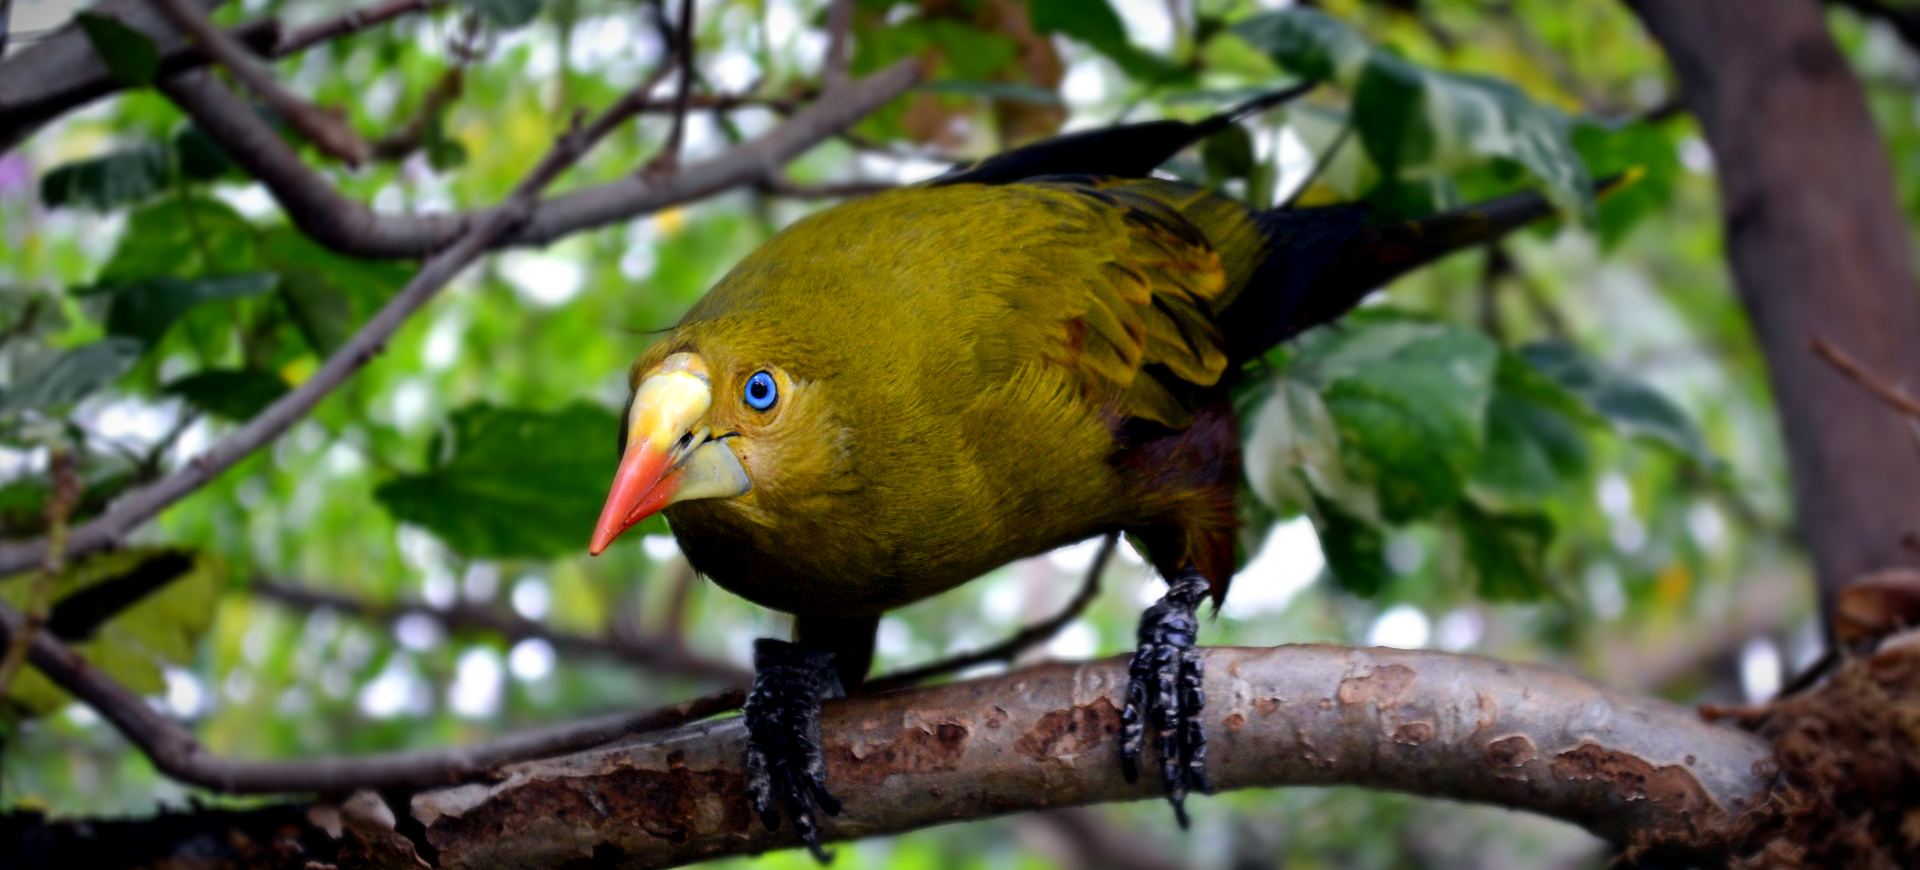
pixel 671 456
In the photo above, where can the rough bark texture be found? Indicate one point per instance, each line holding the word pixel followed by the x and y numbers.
pixel 1628 768
pixel 1819 248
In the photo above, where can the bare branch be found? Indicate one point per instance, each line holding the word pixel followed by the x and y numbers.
pixel 177 754
pixel 1878 386
pixel 63 73
pixel 353 229
pixel 1011 648
pixel 42 81
pixel 328 131
pixel 1461 727
pixel 353 21
pixel 652 654
pixel 839 28
pixel 520 221
pixel 682 47
pixel 64 495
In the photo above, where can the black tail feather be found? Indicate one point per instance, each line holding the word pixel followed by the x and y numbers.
pixel 1127 150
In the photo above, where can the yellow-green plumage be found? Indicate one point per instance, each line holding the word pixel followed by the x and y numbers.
pixel 961 357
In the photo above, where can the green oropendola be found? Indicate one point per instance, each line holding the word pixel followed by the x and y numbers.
pixel 898 394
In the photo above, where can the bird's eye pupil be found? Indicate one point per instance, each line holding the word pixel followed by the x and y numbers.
pixel 760 391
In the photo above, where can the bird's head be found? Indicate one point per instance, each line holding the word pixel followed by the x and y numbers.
pixel 685 436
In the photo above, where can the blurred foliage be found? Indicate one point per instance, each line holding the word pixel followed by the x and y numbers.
pixel 1562 450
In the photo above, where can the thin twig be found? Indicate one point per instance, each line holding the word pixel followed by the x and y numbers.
pixel 107 529
pixel 839 26
pixel 1888 393
pixel 64 494
pixel 348 227
pixel 410 137
pixel 1320 164
pixel 353 21
pixel 176 753
pixel 328 131
pixel 652 654
pixel 1023 640
pixel 682 47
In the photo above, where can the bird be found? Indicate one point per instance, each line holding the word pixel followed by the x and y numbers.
pixel 900 393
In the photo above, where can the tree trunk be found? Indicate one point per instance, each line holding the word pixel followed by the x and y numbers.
pixel 1819 248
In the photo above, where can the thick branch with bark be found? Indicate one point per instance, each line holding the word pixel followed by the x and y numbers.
pixel 1627 768
pixel 1819 247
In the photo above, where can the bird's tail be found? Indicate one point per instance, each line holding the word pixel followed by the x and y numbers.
pixel 1323 261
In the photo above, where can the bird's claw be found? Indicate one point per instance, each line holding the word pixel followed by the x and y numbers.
pixel 785 768
pixel 1163 690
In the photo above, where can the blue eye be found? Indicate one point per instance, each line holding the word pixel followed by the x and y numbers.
pixel 761 391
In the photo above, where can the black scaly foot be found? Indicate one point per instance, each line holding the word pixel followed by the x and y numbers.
pixel 1163 688
pixel 784 763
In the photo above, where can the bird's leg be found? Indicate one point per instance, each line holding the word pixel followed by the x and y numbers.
pixel 1164 694
pixel 785 768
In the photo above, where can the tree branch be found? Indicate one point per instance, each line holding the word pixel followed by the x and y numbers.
pixel 1819 246
pixel 62 72
pixel 351 228
pixel 176 753
pixel 1630 769
pixel 839 26
pixel 1886 392
pixel 520 221
pixel 352 21
pixel 1021 641
pixel 327 131
pixel 647 653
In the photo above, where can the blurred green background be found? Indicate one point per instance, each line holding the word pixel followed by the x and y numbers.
pixel 1609 496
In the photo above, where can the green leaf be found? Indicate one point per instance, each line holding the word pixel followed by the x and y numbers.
pixel 506 13
pixel 232 394
pixel 1419 123
pixel 510 482
pixel 1536 447
pixel 1308 43
pixel 161 628
pixel 1633 408
pixel 1355 549
pixel 443 152
pixel 1506 554
pixel 144 310
pixel 109 181
pixel 1228 154
pixel 1409 400
pixel 181 236
pixel 1090 21
pixel 1094 23
pixel 1645 151
pixel 130 55
pixel 1292 454
pixel 69 376
pixel 201 158
pixel 1532 453
pixel 329 295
